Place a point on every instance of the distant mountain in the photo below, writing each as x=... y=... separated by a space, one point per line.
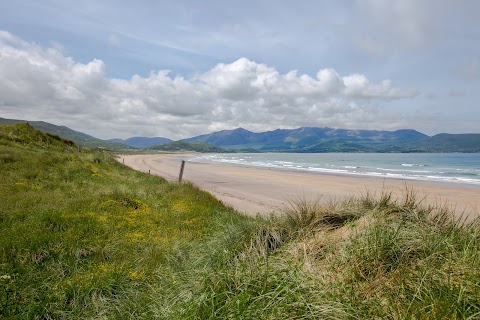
x=444 y=142
x=310 y=139
x=142 y=142
x=187 y=146
x=235 y=137
x=79 y=138
x=305 y=139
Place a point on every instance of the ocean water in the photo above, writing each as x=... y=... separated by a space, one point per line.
x=458 y=168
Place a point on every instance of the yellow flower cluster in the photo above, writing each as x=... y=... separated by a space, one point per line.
x=181 y=206
x=23 y=184
x=94 y=170
x=135 y=275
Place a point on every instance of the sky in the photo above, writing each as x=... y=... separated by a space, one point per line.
x=176 y=69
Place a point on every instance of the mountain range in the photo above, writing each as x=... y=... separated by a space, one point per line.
x=305 y=139
x=311 y=139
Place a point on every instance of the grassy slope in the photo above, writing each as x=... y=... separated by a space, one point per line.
x=69 y=134
x=83 y=237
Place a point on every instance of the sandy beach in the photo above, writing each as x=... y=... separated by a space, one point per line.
x=258 y=190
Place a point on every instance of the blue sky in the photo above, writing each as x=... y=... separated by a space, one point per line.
x=182 y=68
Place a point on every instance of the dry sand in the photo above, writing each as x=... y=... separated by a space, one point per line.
x=258 y=190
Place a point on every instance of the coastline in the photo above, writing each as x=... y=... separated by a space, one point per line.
x=346 y=170
x=253 y=190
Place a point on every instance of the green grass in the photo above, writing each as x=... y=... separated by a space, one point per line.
x=83 y=237
x=364 y=258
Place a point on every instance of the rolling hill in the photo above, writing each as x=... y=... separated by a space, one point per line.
x=79 y=138
x=142 y=142
x=187 y=146
x=445 y=142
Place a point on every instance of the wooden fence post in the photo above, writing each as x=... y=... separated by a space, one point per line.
x=181 y=171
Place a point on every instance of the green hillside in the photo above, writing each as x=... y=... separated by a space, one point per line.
x=187 y=146
x=142 y=142
x=25 y=135
x=69 y=134
x=84 y=237
x=448 y=143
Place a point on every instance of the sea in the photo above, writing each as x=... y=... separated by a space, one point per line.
x=456 y=168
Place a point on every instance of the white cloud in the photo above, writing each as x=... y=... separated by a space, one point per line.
x=358 y=86
x=42 y=83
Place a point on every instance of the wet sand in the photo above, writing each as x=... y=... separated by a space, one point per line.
x=260 y=190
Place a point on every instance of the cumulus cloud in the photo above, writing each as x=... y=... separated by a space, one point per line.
x=358 y=86
x=42 y=83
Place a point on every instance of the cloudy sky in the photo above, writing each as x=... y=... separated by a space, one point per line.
x=181 y=68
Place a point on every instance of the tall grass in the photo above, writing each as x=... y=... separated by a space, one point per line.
x=82 y=236
x=363 y=258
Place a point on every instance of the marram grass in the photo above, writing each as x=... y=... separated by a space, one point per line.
x=83 y=237
x=364 y=258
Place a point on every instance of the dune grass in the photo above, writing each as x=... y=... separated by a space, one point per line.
x=84 y=237
x=362 y=258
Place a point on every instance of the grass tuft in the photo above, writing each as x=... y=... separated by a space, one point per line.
x=303 y=216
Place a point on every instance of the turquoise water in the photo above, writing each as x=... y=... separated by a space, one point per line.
x=460 y=168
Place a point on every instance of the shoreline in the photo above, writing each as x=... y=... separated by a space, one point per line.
x=264 y=190
x=344 y=174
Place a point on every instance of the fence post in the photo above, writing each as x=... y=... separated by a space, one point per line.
x=181 y=171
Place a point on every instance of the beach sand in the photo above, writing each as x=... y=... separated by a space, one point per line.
x=260 y=190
